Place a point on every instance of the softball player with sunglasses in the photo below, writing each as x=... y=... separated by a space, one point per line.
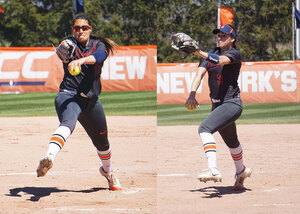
x=77 y=98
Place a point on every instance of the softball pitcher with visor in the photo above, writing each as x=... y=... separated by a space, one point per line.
x=223 y=65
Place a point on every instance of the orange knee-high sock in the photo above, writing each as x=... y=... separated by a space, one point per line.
x=237 y=157
x=105 y=157
x=57 y=141
x=210 y=148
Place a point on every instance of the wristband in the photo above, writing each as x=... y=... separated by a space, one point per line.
x=213 y=58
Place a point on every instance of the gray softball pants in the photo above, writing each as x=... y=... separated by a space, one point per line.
x=222 y=119
x=89 y=112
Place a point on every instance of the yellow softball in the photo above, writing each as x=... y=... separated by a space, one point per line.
x=190 y=107
x=74 y=70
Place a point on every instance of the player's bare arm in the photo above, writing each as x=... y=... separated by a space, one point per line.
x=85 y=60
x=191 y=102
x=198 y=78
x=96 y=57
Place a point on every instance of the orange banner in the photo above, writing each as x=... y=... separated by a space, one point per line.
x=1 y=11
x=260 y=82
x=226 y=16
x=131 y=68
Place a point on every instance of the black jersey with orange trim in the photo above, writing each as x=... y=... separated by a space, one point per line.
x=88 y=81
x=223 y=79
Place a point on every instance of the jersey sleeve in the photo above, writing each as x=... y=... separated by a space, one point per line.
x=234 y=55
x=100 y=46
x=203 y=63
x=101 y=53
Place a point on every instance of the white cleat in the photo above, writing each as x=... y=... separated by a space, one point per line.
x=45 y=164
x=112 y=180
x=211 y=174
x=240 y=178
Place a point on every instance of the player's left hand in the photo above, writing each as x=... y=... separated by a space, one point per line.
x=65 y=50
x=191 y=103
x=183 y=42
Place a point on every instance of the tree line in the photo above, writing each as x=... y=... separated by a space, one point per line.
x=264 y=27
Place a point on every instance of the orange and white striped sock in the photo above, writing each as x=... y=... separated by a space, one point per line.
x=210 y=148
x=105 y=157
x=57 y=141
x=237 y=157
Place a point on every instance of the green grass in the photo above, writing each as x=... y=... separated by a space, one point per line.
x=253 y=113
x=144 y=103
x=129 y=103
x=42 y=104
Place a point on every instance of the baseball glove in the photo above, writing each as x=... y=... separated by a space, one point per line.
x=65 y=50
x=183 y=42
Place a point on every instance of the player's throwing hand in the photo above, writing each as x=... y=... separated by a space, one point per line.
x=191 y=102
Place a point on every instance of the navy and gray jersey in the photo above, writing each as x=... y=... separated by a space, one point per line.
x=223 y=79
x=88 y=81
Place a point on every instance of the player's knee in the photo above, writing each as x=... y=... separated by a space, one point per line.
x=69 y=125
x=101 y=142
x=232 y=144
x=202 y=128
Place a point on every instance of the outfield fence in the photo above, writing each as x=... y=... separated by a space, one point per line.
x=130 y=68
x=134 y=68
x=260 y=82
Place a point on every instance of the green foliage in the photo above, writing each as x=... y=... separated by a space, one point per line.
x=264 y=26
x=128 y=22
x=42 y=104
x=35 y=23
x=196 y=18
x=253 y=113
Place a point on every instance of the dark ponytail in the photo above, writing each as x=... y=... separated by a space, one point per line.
x=109 y=44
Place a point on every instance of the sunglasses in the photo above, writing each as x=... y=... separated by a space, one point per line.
x=84 y=28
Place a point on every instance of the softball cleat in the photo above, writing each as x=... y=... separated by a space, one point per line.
x=211 y=174
x=45 y=164
x=240 y=178
x=112 y=180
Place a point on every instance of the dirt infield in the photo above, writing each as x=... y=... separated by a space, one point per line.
x=271 y=151
x=74 y=184
x=157 y=167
